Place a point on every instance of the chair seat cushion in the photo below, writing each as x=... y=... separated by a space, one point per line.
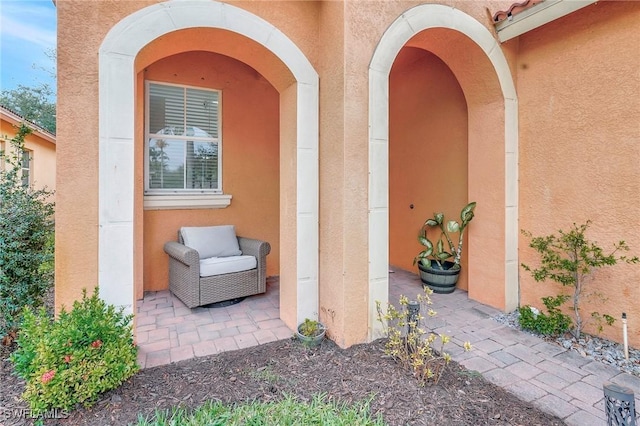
x=212 y=241
x=226 y=265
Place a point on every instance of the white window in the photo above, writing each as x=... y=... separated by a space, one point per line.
x=25 y=165
x=183 y=150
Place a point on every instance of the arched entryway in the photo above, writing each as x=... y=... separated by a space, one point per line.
x=476 y=60
x=120 y=208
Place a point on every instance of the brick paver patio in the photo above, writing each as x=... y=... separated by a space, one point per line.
x=167 y=331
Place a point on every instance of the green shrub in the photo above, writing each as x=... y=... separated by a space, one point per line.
x=571 y=259
x=414 y=349
x=26 y=239
x=76 y=357
x=551 y=324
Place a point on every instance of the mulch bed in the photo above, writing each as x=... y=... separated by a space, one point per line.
x=269 y=371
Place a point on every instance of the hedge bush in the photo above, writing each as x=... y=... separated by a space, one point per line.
x=76 y=357
x=26 y=239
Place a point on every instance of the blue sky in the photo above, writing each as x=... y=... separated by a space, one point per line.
x=27 y=32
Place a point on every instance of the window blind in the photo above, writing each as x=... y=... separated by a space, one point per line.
x=183 y=139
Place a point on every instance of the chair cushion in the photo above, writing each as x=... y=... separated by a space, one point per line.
x=226 y=265
x=212 y=241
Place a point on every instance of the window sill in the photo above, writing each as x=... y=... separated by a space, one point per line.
x=178 y=202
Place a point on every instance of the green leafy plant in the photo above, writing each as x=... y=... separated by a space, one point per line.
x=76 y=357
x=26 y=239
x=570 y=259
x=411 y=345
x=438 y=252
x=553 y=323
x=310 y=328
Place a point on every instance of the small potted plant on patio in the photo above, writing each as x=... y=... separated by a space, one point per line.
x=436 y=270
x=311 y=332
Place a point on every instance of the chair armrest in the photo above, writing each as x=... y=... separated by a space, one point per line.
x=184 y=273
x=182 y=253
x=257 y=248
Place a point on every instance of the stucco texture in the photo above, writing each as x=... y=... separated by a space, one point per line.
x=579 y=144
x=77 y=137
x=77 y=224
x=578 y=90
x=339 y=39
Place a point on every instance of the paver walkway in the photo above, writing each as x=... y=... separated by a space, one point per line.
x=557 y=381
x=554 y=379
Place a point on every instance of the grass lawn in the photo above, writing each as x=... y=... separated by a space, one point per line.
x=289 y=411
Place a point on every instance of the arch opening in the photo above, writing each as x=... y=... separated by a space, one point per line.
x=481 y=70
x=122 y=55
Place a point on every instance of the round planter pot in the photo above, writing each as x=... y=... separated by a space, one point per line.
x=440 y=280
x=311 y=341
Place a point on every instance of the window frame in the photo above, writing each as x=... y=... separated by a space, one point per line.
x=29 y=168
x=176 y=197
x=3 y=153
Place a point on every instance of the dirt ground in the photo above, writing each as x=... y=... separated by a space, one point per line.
x=267 y=372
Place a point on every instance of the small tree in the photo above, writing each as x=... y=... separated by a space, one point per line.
x=26 y=248
x=570 y=260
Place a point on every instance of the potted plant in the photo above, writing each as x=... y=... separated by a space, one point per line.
x=436 y=270
x=311 y=332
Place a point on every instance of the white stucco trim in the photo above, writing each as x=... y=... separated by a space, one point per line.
x=537 y=16
x=190 y=202
x=116 y=129
x=395 y=37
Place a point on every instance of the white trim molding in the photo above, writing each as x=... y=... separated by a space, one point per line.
x=187 y=201
x=536 y=16
x=410 y=23
x=117 y=82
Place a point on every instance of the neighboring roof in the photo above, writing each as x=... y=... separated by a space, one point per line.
x=15 y=118
x=514 y=9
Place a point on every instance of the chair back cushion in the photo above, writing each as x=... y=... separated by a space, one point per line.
x=212 y=241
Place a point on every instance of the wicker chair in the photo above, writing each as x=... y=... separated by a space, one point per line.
x=194 y=290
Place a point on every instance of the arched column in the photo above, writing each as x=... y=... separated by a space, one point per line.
x=399 y=33
x=299 y=121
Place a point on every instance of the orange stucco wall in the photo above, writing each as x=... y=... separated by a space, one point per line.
x=580 y=146
x=332 y=174
x=363 y=28
x=250 y=168
x=43 y=153
x=339 y=39
x=427 y=151
x=77 y=236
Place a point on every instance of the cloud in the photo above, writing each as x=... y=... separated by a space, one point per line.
x=27 y=32
x=28 y=21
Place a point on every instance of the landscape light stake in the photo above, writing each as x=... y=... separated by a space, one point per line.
x=413 y=310
x=624 y=336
